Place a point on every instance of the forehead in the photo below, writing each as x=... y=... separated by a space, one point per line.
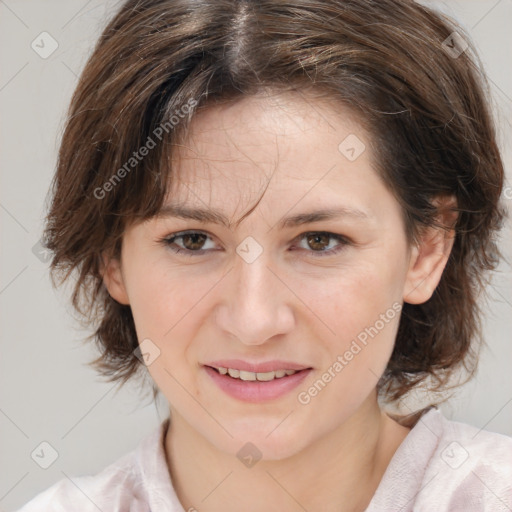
x=286 y=155
x=286 y=136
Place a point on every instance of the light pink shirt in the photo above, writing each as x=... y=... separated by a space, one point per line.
x=441 y=466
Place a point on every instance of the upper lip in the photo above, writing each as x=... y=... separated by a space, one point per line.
x=266 y=366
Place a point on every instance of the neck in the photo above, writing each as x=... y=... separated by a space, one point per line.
x=340 y=472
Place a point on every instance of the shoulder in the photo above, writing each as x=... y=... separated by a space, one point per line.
x=122 y=485
x=116 y=485
x=445 y=465
x=470 y=468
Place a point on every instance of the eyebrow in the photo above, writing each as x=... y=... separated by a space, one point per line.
x=217 y=217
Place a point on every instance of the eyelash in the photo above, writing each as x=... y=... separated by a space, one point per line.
x=168 y=241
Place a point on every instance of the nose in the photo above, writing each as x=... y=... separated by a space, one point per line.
x=256 y=303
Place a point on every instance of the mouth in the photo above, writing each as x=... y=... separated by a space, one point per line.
x=256 y=382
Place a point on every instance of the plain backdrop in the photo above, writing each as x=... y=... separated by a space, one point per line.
x=47 y=392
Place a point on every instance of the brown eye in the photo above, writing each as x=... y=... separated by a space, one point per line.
x=193 y=241
x=188 y=242
x=318 y=242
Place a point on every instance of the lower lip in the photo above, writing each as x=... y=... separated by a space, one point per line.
x=257 y=391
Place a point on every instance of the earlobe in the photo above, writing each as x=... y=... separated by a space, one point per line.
x=113 y=279
x=430 y=255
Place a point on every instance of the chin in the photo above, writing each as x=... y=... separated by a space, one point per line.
x=269 y=440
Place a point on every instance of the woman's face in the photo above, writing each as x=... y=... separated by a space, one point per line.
x=287 y=289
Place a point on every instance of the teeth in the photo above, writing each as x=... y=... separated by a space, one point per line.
x=247 y=375
x=268 y=375
x=252 y=376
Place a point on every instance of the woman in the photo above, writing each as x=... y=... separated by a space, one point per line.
x=284 y=213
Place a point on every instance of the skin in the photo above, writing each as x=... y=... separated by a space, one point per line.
x=289 y=304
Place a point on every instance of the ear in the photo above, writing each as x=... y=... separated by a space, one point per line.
x=430 y=253
x=113 y=278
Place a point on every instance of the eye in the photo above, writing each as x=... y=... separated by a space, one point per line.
x=319 y=242
x=192 y=243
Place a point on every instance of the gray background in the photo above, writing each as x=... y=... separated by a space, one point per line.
x=47 y=393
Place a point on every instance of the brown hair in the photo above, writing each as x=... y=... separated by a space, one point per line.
x=394 y=63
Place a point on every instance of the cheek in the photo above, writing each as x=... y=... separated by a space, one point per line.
x=359 y=296
x=160 y=293
x=160 y=314
x=362 y=309
x=151 y=303
x=167 y=308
